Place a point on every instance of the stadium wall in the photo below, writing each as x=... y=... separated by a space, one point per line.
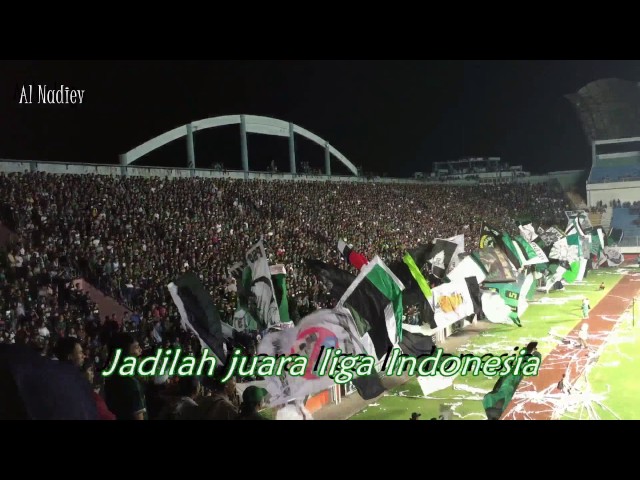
x=605 y=192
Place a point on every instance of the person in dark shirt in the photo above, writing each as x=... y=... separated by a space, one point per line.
x=125 y=395
x=252 y=401
x=155 y=395
x=69 y=349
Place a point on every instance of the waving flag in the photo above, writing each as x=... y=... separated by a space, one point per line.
x=323 y=328
x=495 y=265
x=532 y=252
x=514 y=296
x=199 y=314
x=451 y=302
x=267 y=309
x=550 y=236
x=563 y=252
x=441 y=256
x=375 y=300
x=614 y=256
x=528 y=232
x=455 y=259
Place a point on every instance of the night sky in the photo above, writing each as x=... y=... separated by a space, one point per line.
x=387 y=116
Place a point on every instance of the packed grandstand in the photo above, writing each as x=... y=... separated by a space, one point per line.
x=131 y=237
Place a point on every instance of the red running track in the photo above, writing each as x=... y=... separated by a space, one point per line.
x=567 y=358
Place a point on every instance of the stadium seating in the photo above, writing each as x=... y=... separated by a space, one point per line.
x=623 y=219
x=614 y=174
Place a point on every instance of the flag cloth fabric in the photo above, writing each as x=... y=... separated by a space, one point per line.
x=410 y=274
x=244 y=318
x=495 y=264
x=596 y=242
x=494 y=307
x=33 y=387
x=614 y=256
x=512 y=250
x=615 y=237
x=323 y=328
x=456 y=258
x=514 y=295
x=279 y=280
x=552 y=279
x=574 y=229
x=563 y=251
x=474 y=292
x=532 y=252
x=441 y=256
x=353 y=258
x=243 y=321
x=369 y=387
x=468 y=267
x=585 y=244
x=199 y=314
x=579 y=218
x=375 y=300
x=334 y=278
x=375 y=315
x=603 y=242
x=488 y=236
x=416 y=344
x=576 y=271
x=451 y=302
x=528 y=232
x=417 y=288
x=338 y=281
x=267 y=311
x=550 y=236
x=497 y=401
x=492 y=238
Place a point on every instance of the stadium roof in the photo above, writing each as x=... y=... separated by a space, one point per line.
x=608 y=109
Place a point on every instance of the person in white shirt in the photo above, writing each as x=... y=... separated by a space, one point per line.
x=585 y=308
x=583 y=335
x=43 y=331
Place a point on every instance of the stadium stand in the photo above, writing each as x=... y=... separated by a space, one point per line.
x=614 y=174
x=130 y=236
x=627 y=219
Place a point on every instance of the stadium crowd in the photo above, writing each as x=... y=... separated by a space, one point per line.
x=130 y=237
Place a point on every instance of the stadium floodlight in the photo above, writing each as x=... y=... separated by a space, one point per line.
x=608 y=109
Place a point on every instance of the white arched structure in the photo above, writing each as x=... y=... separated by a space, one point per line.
x=248 y=124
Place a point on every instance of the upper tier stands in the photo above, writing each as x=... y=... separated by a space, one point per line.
x=614 y=174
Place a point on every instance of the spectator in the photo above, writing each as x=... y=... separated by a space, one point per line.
x=103 y=410
x=186 y=407
x=222 y=404
x=252 y=402
x=69 y=349
x=125 y=395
